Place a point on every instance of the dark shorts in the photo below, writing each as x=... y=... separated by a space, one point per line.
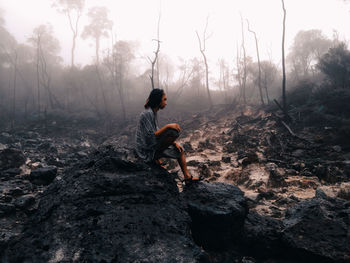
x=171 y=151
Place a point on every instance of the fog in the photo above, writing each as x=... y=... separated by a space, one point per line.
x=105 y=71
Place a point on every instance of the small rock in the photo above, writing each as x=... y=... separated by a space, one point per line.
x=24 y=201
x=43 y=176
x=188 y=147
x=298 y=153
x=214 y=163
x=193 y=163
x=337 y=148
x=226 y=159
x=11 y=158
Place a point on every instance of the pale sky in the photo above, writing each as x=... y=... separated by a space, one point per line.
x=137 y=20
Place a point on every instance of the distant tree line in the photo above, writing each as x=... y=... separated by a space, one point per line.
x=35 y=83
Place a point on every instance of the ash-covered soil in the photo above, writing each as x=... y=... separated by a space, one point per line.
x=275 y=190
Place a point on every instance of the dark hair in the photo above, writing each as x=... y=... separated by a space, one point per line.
x=154 y=98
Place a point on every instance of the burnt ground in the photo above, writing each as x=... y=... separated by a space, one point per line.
x=284 y=168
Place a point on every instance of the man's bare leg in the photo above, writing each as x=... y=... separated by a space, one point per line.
x=183 y=165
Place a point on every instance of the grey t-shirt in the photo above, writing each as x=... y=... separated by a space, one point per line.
x=145 y=138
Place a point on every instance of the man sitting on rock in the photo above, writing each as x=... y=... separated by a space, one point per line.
x=153 y=143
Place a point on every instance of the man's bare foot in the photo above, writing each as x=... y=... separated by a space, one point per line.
x=191 y=179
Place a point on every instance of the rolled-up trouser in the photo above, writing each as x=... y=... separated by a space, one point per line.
x=171 y=151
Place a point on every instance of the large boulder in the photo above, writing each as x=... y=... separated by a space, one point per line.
x=262 y=235
x=318 y=229
x=124 y=212
x=218 y=211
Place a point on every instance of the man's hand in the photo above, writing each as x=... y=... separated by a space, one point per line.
x=179 y=147
x=174 y=126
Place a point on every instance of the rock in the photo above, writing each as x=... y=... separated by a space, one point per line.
x=214 y=163
x=11 y=158
x=229 y=147
x=6 y=209
x=43 y=176
x=317 y=230
x=193 y=163
x=344 y=191
x=336 y=148
x=204 y=170
x=206 y=145
x=226 y=159
x=248 y=157
x=125 y=215
x=298 y=153
x=11 y=172
x=24 y=201
x=48 y=146
x=276 y=178
x=218 y=211
x=262 y=235
x=188 y=147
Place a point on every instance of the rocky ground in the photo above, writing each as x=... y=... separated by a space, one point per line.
x=276 y=191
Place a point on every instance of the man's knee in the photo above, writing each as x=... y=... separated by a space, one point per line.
x=172 y=133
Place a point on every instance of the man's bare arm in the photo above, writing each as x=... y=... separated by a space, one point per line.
x=174 y=126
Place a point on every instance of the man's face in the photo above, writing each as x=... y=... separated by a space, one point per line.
x=163 y=102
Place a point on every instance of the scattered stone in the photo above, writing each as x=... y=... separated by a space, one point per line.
x=298 y=153
x=214 y=163
x=193 y=163
x=337 y=148
x=226 y=159
x=24 y=201
x=43 y=176
x=188 y=147
x=276 y=178
x=11 y=158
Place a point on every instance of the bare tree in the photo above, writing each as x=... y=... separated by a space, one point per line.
x=47 y=47
x=155 y=59
x=14 y=90
x=201 y=43
x=259 y=66
x=98 y=27
x=118 y=63
x=244 y=73
x=73 y=10
x=284 y=99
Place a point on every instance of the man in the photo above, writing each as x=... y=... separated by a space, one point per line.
x=153 y=143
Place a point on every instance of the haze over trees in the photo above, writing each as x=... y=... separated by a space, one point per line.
x=34 y=82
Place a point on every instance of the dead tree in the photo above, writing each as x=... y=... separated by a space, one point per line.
x=37 y=72
x=14 y=91
x=284 y=99
x=259 y=66
x=239 y=72
x=244 y=76
x=202 y=50
x=154 y=61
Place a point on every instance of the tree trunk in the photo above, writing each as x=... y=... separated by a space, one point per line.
x=14 y=91
x=37 y=73
x=244 y=78
x=202 y=50
x=258 y=55
x=284 y=99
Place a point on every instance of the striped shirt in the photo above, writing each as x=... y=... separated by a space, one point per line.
x=146 y=141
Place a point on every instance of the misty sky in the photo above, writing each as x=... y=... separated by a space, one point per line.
x=137 y=20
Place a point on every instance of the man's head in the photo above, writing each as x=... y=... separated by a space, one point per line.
x=156 y=99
